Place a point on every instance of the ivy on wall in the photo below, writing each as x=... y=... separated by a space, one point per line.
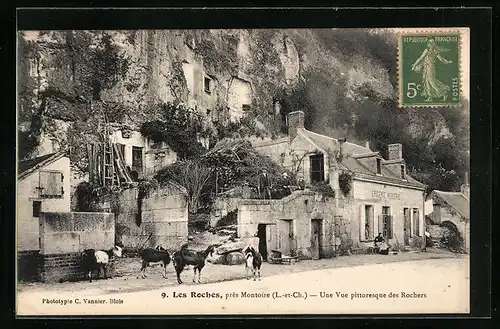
x=179 y=128
x=345 y=182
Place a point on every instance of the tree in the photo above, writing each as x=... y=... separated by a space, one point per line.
x=193 y=175
x=82 y=64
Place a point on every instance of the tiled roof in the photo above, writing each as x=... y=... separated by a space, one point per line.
x=388 y=176
x=456 y=200
x=26 y=166
x=268 y=142
x=356 y=166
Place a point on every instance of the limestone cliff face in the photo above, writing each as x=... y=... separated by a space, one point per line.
x=216 y=72
x=337 y=77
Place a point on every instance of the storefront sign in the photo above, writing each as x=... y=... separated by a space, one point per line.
x=385 y=195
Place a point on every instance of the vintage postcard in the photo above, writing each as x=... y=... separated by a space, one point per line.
x=243 y=171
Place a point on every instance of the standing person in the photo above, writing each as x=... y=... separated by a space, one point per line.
x=426 y=65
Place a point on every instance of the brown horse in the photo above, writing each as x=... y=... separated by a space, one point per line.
x=186 y=256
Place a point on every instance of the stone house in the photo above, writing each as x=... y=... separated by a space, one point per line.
x=143 y=156
x=381 y=198
x=43 y=186
x=302 y=224
x=451 y=210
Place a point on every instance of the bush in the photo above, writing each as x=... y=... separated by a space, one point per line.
x=324 y=188
x=417 y=242
x=453 y=242
x=345 y=246
x=345 y=183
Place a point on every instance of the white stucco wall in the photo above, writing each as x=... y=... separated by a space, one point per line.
x=239 y=93
x=152 y=159
x=27 y=192
x=379 y=195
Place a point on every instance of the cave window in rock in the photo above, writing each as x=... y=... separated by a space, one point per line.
x=207 y=85
x=96 y=90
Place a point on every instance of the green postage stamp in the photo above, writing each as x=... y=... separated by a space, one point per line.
x=429 y=69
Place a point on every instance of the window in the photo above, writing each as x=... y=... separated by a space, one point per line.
x=368 y=222
x=137 y=158
x=402 y=171
x=207 y=85
x=386 y=223
x=245 y=107
x=317 y=168
x=416 y=222
x=37 y=208
x=51 y=184
x=379 y=166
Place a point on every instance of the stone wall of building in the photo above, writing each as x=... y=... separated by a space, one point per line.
x=164 y=219
x=28 y=192
x=378 y=195
x=289 y=223
x=63 y=238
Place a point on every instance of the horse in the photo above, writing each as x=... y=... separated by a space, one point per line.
x=186 y=256
x=253 y=262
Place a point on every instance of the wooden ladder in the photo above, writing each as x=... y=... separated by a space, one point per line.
x=109 y=175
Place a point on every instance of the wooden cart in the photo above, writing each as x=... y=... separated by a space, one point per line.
x=276 y=257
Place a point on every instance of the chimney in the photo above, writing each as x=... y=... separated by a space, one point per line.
x=367 y=145
x=295 y=121
x=395 y=152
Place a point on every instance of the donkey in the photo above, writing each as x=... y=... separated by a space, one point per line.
x=253 y=262
x=186 y=256
x=97 y=260
x=157 y=255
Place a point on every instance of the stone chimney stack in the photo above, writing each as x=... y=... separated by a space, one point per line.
x=395 y=152
x=295 y=121
x=367 y=145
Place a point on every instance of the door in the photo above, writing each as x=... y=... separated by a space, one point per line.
x=285 y=237
x=261 y=233
x=407 y=226
x=315 y=238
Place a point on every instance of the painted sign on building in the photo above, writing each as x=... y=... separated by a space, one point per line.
x=384 y=195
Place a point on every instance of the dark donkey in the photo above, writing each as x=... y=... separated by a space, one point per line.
x=157 y=255
x=186 y=256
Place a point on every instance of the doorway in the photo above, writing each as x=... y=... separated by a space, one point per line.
x=285 y=237
x=316 y=238
x=261 y=233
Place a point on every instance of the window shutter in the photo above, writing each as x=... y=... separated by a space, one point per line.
x=362 y=236
x=389 y=227
x=51 y=183
x=44 y=182
x=381 y=224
